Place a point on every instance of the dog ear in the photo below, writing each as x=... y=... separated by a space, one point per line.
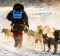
x=46 y=34
x=3 y=28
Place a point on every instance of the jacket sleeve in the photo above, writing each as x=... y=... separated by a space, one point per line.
x=25 y=18
x=9 y=16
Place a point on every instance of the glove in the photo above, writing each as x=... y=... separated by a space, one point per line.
x=11 y=24
x=27 y=26
x=26 y=29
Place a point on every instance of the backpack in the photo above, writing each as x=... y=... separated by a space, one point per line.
x=17 y=14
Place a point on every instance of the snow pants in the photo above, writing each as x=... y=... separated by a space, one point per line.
x=17 y=35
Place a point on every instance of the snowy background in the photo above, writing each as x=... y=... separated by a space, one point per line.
x=40 y=15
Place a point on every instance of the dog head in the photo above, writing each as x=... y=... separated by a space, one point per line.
x=45 y=35
x=31 y=32
x=2 y=30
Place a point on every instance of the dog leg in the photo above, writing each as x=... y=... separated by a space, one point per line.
x=49 y=47
x=44 y=47
x=33 y=42
x=55 y=48
x=36 y=42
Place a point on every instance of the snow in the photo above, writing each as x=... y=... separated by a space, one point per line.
x=47 y=15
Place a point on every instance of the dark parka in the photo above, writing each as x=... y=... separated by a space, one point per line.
x=24 y=19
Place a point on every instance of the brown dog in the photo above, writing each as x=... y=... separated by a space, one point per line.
x=37 y=36
x=51 y=41
x=7 y=32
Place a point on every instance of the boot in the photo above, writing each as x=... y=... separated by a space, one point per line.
x=16 y=42
x=20 y=44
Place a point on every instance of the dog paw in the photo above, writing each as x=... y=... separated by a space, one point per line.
x=54 y=53
x=43 y=50
x=48 y=51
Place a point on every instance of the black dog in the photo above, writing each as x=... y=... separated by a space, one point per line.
x=51 y=41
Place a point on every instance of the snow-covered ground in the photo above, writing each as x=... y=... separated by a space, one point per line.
x=47 y=15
